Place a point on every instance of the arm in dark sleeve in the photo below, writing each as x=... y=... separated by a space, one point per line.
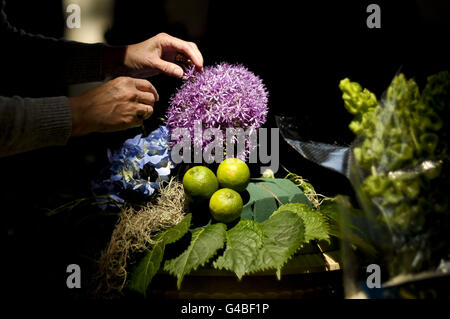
x=27 y=124
x=38 y=56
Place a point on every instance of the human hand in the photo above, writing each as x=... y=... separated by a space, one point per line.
x=116 y=105
x=158 y=54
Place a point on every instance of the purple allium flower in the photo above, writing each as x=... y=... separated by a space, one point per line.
x=222 y=96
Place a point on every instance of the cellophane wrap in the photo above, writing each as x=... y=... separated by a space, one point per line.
x=399 y=168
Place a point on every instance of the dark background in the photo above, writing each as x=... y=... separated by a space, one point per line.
x=300 y=51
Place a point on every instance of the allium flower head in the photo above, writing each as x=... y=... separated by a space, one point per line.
x=222 y=96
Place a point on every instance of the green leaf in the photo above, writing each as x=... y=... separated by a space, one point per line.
x=174 y=233
x=266 y=194
x=243 y=242
x=253 y=246
x=316 y=227
x=204 y=244
x=330 y=210
x=283 y=235
x=147 y=267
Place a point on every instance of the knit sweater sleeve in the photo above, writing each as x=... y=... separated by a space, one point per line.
x=59 y=59
x=32 y=123
x=27 y=124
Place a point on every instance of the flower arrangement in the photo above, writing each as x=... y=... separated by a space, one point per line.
x=138 y=167
x=223 y=96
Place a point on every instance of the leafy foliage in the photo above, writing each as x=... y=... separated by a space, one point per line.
x=173 y=234
x=146 y=269
x=261 y=242
x=283 y=235
x=243 y=241
x=315 y=224
x=151 y=262
x=204 y=244
x=253 y=246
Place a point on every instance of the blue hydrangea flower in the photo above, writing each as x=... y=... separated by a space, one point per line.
x=138 y=168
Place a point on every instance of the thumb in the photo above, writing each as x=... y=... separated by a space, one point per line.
x=168 y=68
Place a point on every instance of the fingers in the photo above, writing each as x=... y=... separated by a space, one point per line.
x=169 y=68
x=136 y=101
x=143 y=112
x=146 y=97
x=198 y=53
x=145 y=86
x=189 y=49
x=145 y=92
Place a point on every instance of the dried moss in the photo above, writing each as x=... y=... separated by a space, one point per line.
x=135 y=231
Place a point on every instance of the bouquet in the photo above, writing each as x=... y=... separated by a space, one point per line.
x=278 y=218
x=400 y=169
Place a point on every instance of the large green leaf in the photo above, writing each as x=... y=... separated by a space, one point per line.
x=204 y=244
x=283 y=235
x=315 y=224
x=266 y=194
x=253 y=246
x=147 y=267
x=174 y=233
x=243 y=242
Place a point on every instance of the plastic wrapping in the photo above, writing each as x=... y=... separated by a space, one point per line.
x=399 y=168
x=330 y=156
